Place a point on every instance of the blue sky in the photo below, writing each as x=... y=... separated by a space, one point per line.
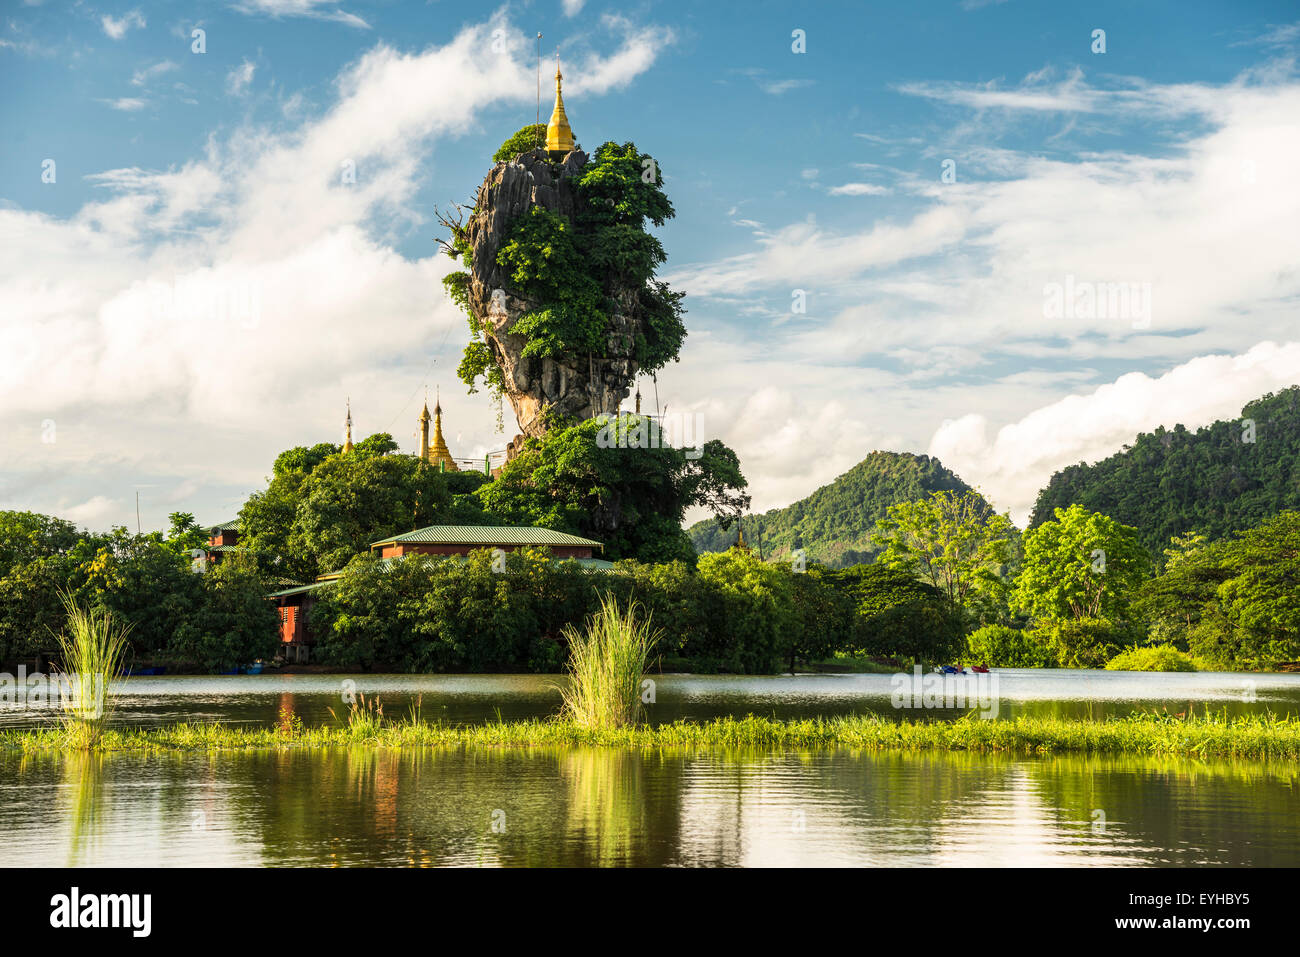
x=185 y=178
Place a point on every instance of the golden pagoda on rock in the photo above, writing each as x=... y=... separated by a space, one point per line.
x=559 y=137
x=437 y=453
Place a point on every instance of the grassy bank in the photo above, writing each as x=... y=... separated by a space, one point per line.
x=1207 y=735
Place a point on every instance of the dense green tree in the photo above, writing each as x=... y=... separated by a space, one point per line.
x=320 y=510
x=31 y=611
x=146 y=582
x=1082 y=565
x=233 y=624
x=185 y=535
x=1000 y=646
x=953 y=540
x=598 y=479
x=26 y=536
x=756 y=600
x=900 y=616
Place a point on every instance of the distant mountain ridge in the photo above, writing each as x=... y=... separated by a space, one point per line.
x=1222 y=478
x=835 y=523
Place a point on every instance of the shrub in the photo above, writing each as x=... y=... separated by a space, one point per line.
x=1086 y=642
x=1003 y=647
x=1152 y=658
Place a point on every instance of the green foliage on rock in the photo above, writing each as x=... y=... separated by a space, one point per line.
x=837 y=524
x=575 y=271
x=1224 y=478
x=530 y=137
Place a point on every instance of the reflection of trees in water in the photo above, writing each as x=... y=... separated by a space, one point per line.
x=1179 y=811
x=557 y=807
x=593 y=806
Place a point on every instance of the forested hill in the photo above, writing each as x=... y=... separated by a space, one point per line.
x=1217 y=480
x=835 y=523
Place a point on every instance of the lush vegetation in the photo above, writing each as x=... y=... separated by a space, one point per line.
x=1230 y=604
x=321 y=507
x=838 y=524
x=1221 y=479
x=632 y=499
x=145 y=582
x=1001 y=646
x=580 y=270
x=1252 y=736
x=731 y=613
x=1153 y=658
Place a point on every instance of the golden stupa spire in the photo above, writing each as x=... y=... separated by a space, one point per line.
x=559 y=137
x=347 y=424
x=435 y=452
x=740 y=537
x=424 y=428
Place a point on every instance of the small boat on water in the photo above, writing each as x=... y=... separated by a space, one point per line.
x=254 y=669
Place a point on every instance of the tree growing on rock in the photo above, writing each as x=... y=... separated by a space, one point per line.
x=559 y=282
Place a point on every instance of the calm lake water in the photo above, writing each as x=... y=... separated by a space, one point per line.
x=472 y=699
x=613 y=807
x=608 y=806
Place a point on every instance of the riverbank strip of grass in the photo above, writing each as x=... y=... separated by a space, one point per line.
x=1252 y=736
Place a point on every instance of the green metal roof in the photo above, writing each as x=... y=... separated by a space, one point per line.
x=298 y=591
x=593 y=564
x=221 y=548
x=233 y=525
x=485 y=535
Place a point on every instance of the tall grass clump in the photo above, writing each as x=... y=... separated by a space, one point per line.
x=607 y=664
x=92 y=649
x=363 y=720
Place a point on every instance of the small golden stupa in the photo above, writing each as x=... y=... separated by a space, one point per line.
x=437 y=453
x=559 y=137
x=347 y=423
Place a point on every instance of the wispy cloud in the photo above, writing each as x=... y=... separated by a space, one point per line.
x=127 y=104
x=859 y=189
x=313 y=9
x=116 y=27
x=142 y=76
x=777 y=87
x=240 y=78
